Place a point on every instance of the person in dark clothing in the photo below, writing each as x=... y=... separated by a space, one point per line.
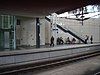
x=91 y=39
x=73 y=41
x=87 y=37
x=61 y=40
x=52 y=41
x=68 y=41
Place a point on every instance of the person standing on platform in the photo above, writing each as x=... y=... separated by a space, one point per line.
x=73 y=41
x=91 y=39
x=68 y=41
x=87 y=37
x=52 y=41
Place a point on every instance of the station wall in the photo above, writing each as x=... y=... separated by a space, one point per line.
x=26 y=32
x=89 y=27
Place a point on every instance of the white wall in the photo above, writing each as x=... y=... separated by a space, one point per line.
x=42 y=31
x=26 y=32
x=47 y=32
x=90 y=27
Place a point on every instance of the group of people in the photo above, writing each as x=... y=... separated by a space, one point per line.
x=87 y=38
x=60 y=41
x=68 y=41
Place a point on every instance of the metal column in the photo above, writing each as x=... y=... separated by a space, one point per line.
x=37 y=33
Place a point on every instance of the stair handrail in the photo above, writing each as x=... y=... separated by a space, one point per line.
x=71 y=29
x=75 y=32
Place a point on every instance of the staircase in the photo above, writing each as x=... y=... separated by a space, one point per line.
x=68 y=30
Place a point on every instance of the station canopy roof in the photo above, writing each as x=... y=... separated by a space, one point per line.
x=41 y=7
x=90 y=11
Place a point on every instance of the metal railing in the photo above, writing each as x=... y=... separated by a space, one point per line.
x=75 y=32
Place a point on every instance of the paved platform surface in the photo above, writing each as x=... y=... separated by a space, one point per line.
x=57 y=47
x=84 y=67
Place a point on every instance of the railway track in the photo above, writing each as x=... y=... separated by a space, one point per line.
x=12 y=70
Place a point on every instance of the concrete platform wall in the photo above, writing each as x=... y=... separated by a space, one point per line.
x=12 y=58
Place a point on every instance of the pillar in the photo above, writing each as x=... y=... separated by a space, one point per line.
x=37 y=33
